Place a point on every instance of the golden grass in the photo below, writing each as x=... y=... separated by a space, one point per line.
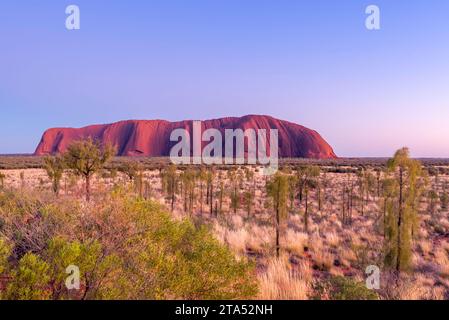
x=295 y=242
x=280 y=282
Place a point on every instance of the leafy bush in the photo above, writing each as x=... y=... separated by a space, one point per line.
x=29 y=279
x=343 y=288
x=5 y=251
x=125 y=248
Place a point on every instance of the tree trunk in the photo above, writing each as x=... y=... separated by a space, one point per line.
x=192 y=197
x=319 y=198
x=201 y=198
x=235 y=199
x=56 y=187
x=344 y=202
x=378 y=185
x=185 y=198
x=221 y=199
x=277 y=234
x=140 y=179
x=362 y=203
x=292 y=201
x=211 y=200
x=87 y=188
x=278 y=223
x=350 y=204
x=401 y=189
x=385 y=214
x=306 y=212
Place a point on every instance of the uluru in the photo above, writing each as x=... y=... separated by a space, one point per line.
x=152 y=137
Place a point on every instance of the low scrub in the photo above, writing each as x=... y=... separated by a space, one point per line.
x=124 y=247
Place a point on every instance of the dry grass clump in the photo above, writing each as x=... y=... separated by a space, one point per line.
x=425 y=247
x=250 y=237
x=332 y=239
x=413 y=287
x=260 y=239
x=443 y=222
x=295 y=242
x=281 y=282
x=442 y=260
x=322 y=258
x=237 y=239
x=347 y=256
x=237 y=221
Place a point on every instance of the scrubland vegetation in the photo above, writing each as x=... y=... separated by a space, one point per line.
x=226 y=232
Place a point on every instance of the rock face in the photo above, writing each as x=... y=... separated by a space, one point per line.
x=152 y=137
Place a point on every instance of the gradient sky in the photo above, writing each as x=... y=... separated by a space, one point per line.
x=308 y=61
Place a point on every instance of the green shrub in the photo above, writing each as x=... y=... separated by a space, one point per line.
x=180 y=260
x=5 y=252
x=29 y=280
x=124 y=247
x=343 y=288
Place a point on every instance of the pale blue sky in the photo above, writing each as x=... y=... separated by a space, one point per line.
x=308 y=61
